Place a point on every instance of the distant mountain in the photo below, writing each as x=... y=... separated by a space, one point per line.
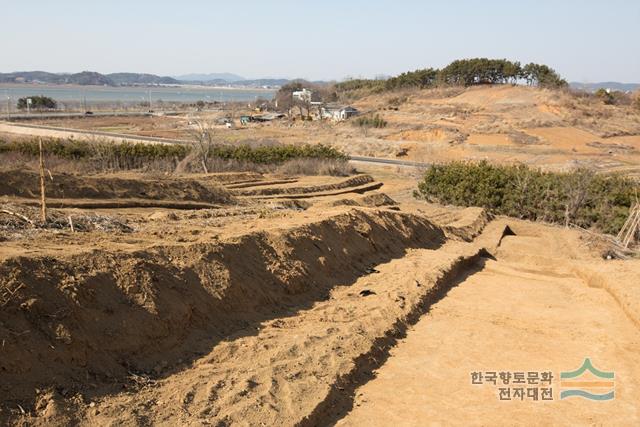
x=31 y=76
x=85 y=78
x=89 y=78
x=263 y=82
x=135 y=79
x=214 y=82
x=131 y=79
x=592 y=87
x=223 y=77
x=209 y=81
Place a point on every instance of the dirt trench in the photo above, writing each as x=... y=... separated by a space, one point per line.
x=537 y=306
x=92 y=325
x=314 y=324
x=293 y=369
x=25 y=184
x=356 y=181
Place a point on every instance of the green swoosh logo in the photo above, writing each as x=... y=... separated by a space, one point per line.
x=586 y=395
x=586 y=365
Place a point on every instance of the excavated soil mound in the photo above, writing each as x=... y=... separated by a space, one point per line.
x=81 y=323
x=347 y=183
x=23 y=183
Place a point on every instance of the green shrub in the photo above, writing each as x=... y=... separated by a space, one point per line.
x=37 y=103
x=274 y=154
x=126 y=155
x=580 y=197
x=605 y=96
x=371 y=122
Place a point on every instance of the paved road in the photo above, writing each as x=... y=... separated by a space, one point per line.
x=58 y=131
x=38 y=116
x=389 y=161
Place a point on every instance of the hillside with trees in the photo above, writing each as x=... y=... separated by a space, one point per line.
x=463 y=72
x=132 y=79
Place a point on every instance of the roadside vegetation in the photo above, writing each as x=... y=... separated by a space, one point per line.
x=464 y=72
x=105 y=156
x=580 y=197
x=37 y=103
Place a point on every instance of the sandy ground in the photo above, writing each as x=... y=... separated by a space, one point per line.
x=517 y=314
x=250 y=299
x=298 y=311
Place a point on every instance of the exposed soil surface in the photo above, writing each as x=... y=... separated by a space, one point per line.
x=519 y=313
x=251 y=299
x=292 y=310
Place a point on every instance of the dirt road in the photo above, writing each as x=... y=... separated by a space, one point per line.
x=525 y=311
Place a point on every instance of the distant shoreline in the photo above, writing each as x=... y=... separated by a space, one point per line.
x=128 y=94
x=167 y=86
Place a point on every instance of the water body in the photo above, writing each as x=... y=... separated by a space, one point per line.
x=104 y=94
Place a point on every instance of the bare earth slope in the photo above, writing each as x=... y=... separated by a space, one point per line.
x=505 y=124
x=285 y=327
x=296 y=301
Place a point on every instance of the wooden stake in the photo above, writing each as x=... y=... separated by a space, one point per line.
x=631 y=226
x=17 y=215
x=43 y=201
x=71 y=224
x=633 y=229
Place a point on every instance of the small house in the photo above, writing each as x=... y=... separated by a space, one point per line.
x=338 y=113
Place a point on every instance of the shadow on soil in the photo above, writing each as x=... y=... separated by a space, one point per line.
x=89 y=324
x=339 y=402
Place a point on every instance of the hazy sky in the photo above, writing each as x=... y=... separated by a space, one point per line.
x=584 y=40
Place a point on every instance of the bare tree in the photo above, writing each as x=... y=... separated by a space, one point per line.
x=203 y=134
x=302 y=106
x=577 y=193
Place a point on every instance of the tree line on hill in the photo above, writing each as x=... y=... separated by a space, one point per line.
x=464 y=72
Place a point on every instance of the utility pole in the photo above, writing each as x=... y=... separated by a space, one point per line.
x=149 y=100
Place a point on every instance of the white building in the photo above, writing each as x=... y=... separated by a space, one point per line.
x=302 y=95
x=338 y=113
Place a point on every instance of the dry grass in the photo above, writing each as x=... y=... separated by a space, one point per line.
x=192 y=164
